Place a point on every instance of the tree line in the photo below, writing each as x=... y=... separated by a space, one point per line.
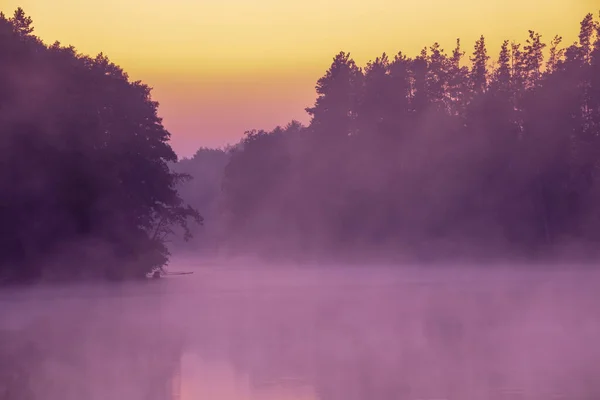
x=435 y=156
x=85 y=185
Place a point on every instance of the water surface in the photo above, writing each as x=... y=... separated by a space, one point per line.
x=318 y=333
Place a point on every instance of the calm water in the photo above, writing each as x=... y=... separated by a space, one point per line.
x=305 y=334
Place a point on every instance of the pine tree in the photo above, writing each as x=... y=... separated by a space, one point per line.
x=334 y=112
x=399 y=94
x=400 y=80
x=373 y=102
x=586 y=33
x=22 y=23
x=436 y=76
x=479 y=67
x=457 y=82
x=533 y=58
x=556 y=55
x=502 y=74
x=419 y=96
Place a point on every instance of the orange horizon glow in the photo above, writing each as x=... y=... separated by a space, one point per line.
x=221 y=67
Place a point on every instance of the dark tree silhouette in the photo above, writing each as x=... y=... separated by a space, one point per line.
x=427 y=157
x=437 y=155
x=85 y=188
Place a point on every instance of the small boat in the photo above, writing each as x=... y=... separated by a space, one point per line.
x=159 y=273
x=179 y=273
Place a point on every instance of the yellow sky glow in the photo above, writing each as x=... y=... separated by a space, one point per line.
x=220 y=67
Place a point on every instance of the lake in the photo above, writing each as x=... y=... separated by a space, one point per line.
x=242 y=331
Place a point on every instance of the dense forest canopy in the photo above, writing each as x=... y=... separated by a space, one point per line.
x=434 y=156
x=85 y=186
x=437 y=156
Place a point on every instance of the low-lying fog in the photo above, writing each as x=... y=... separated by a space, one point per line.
x=236 y=332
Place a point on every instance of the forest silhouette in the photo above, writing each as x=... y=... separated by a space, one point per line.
x=434 y=157
x=85 y=189
x=430 y=158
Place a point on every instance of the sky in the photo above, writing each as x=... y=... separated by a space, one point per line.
x=221 y=67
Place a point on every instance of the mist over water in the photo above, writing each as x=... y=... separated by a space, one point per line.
x=241 y=331
x=423 y=159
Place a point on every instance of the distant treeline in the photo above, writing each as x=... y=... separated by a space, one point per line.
x=85 y=186
x=424 y=157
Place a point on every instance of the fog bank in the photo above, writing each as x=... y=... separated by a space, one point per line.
x=241 y=331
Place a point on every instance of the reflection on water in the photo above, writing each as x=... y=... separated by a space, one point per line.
x=306 y=335
x=219 y=380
